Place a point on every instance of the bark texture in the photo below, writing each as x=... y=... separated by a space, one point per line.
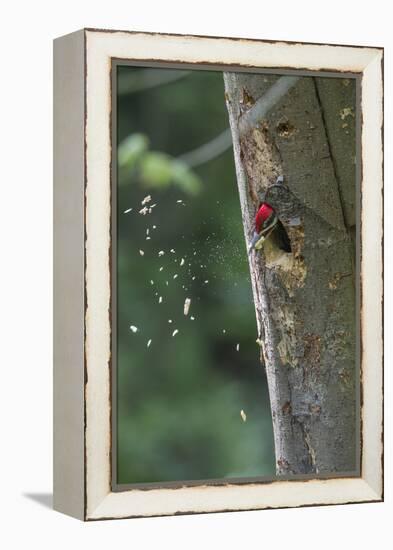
x=304 y=300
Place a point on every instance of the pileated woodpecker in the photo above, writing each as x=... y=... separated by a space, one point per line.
x=267 y=225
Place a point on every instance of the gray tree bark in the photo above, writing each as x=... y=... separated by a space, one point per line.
x=304 y=300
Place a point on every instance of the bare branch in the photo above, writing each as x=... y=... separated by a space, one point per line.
x=208 y=151
x=258 y=111
x=147 y=79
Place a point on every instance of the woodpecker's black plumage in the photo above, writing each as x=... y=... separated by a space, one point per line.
x=280 y=237
x=279 y=208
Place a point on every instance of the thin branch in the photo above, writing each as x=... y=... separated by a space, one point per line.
x=208 y=151
x=251 y=118
x=146 y=79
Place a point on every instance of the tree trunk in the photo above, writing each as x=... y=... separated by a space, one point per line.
x=305 y=299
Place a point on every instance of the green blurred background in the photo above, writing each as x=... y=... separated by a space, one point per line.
x=179 y=399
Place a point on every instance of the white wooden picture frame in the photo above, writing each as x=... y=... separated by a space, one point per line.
x=82 y=334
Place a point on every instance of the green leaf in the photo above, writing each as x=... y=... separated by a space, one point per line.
x=156 y=169
x=131 y=150
x=185 y=178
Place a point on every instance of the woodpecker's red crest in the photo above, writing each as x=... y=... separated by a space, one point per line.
x=264 y=213
x=268 y=225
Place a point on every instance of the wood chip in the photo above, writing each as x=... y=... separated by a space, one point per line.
x=146 y=200
x=187 y=304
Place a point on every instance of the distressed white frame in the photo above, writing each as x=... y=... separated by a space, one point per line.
x=100 y=47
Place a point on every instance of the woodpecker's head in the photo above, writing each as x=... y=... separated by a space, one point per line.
x=263 y=214
x=265 y=219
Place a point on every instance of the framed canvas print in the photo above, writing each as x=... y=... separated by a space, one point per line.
x=218 y=274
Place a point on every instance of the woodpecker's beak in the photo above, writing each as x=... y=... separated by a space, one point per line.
x=256 y=237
